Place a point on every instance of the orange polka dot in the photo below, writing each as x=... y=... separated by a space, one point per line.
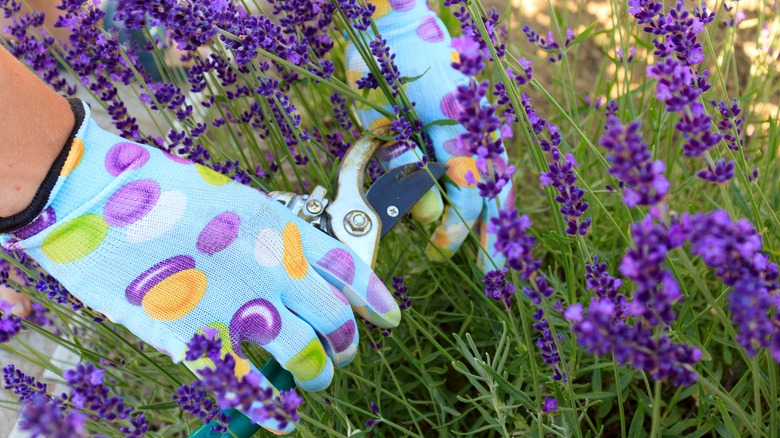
x=440 y=238
x=483 y=234
x=382 y=8
x=459 y=167
x=455 y=57
x=74 y=157
x=293 y=259
x=379 y=123
x=352 y=77
x=362 y=311
x=176 y=296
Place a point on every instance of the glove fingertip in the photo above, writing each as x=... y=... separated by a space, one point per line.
x=429 y=208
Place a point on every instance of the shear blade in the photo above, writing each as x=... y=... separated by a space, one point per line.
x=393 y=194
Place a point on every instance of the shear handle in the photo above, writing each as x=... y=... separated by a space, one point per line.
x=352 y=219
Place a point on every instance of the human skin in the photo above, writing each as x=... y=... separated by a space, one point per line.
x=35 y=123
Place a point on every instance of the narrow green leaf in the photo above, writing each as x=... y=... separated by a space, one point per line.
x=637 y=429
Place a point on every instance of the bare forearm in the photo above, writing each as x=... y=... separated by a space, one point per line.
x=35 y=122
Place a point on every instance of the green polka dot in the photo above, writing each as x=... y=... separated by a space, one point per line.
x=212 y=177
x=308 y=363
x=75 y=239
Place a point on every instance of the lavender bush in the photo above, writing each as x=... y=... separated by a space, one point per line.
x=644 y=245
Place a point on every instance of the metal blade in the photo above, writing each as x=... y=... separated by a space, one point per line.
x=393 y=194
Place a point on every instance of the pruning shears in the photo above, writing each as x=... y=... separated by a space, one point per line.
x=357 y=217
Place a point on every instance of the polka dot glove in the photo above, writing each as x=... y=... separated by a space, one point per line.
x=421 y=43
x=166 y=247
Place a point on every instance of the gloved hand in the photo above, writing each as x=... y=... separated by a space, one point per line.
x=421 y=43
x=166 y=247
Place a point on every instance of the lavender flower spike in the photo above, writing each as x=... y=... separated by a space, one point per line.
x=630 y=162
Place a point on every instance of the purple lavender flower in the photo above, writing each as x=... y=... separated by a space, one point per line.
x=231 y=391
x=657 y=289
x=735 y=251
x=340 y=111
x=497 y=287
x=548 y=43
x=695 y=125
x=89 y=392
x=721 y=172
x=45 y=417
x=399 y=291
x=26 y=387
x=204 y=345
x=480 y=139
x=471 y=61
x=561 y=176
x=733 y=20
x=630 y=159
x=359 y=13
x=513 y=241
x=138 y=427
x=547 y=345
x=676 y=84
x=386 y=61
x=470 y=30
x=550 y=405
x=629 y=59
x=10 y=324
x=602 y=330
x=39 y=316
x=375 y=410
x=308 y=18
x=605 y=286
x=523 y=78
x=367 y=82
x=679 y=84
x=731 y=121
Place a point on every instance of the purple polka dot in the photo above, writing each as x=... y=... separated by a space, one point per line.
x=176 y=158
x=378 y=296
x=257 y=321
x=456 y=147
x=338 y=294
x=145 y=282
x=44 y=220
x=429 y=30
x=125 y=156
x=450 y=106
x=219 y=233
x=339 y=263
x=395 y=150
x=341 y=338
x=402 y=5
x=132 y=202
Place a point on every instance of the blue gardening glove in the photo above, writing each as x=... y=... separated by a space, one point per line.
x=421 y=42
x=167 y=247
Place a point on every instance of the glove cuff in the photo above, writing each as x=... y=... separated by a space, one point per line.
x=44 y=193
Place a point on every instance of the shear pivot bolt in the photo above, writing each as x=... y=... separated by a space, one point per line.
x=392 y=211
x=357 y=223
x=314 y=206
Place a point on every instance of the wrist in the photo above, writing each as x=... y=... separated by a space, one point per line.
x=34 y=125
x=33 y=167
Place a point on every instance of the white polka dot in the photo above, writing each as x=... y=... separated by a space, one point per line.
x=169 y=209
x=457 y=232
x=269 y=247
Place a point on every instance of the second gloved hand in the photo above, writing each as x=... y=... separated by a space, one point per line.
x=423 y=48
